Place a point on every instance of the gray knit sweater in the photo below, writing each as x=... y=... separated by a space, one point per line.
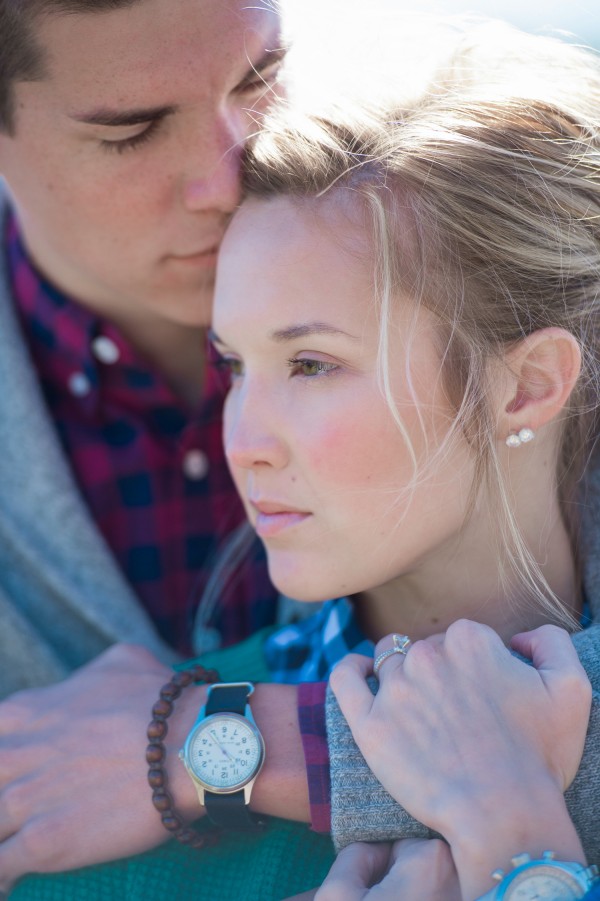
x=361 y=810
x=63 y=599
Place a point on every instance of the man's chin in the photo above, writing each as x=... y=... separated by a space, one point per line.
x=192 y=309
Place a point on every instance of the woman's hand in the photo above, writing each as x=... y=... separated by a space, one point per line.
x=473 y=742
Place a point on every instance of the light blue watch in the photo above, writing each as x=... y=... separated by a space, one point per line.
x=542 y=880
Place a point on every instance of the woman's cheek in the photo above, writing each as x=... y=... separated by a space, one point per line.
x=355 y=450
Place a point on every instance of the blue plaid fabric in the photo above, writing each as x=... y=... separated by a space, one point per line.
x=307 y=651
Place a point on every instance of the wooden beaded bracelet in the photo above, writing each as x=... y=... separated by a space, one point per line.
x=156 y=754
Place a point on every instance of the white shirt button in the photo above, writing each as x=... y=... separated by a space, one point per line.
x=195 y=465
x=105 y=350
x=79 y=384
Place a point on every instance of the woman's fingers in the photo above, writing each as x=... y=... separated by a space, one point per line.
x=348 y=682
x=549 y=648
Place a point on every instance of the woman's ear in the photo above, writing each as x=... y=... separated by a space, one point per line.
x=545 y=367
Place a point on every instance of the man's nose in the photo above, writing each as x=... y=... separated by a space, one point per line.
x=213 y=182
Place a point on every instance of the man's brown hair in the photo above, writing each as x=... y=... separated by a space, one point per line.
x=21 y=57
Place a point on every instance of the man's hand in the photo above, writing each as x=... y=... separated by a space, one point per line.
x=73 y=789
x=410 y=868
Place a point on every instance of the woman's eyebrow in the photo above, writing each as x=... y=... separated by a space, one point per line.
x=304 y=329
x=292 y=332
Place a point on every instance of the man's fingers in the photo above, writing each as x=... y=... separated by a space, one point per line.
x=426 y=863
x=12 y=863
x=356 y=868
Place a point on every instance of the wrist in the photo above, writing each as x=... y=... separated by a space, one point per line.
x=185 y=795
x=281 y=788
x=531 y=823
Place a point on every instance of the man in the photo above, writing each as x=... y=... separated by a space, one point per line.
x=122 y=125
x=120 y=143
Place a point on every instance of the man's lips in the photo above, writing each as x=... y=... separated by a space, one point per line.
x=272 y=517
x=206 y=257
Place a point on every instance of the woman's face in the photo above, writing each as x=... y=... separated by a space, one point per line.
x=323 y=469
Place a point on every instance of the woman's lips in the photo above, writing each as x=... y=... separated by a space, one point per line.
x=272 y=519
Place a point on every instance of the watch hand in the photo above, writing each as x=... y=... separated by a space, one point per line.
x=220 y=746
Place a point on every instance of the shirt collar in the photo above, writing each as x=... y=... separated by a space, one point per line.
x=307 y=651
x=61 y=334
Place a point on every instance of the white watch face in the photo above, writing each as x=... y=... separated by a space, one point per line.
x=225 y=751
x=543 y=883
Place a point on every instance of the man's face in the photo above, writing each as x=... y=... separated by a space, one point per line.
x=124 y=161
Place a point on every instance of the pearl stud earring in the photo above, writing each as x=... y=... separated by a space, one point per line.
x=516 y=439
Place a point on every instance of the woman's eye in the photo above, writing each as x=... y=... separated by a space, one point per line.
x=233 y=367
x=310 y=368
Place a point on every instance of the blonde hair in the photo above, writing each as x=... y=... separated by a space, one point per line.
x=483 y=191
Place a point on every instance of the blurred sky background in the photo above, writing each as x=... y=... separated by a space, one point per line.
x=578 y=17
x=360 y=47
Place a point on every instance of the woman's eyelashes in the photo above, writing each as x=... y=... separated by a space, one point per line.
x=298 y=367
x=230 y=366
x=305 y=366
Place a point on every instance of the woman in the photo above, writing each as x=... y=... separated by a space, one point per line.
x=472 y=211
x=406 y=306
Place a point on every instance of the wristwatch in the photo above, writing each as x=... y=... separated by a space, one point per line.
x=224 y=754
x=542 y=880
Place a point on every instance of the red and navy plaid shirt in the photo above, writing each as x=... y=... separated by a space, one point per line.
x=301 y=653
x=154 y=478
x=153 y=473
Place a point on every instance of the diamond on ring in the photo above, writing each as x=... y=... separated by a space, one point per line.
x=401 y=646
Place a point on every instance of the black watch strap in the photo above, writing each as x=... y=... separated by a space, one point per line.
x=227 y=699
x=229 y=811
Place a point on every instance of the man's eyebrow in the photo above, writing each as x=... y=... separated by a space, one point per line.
x=116 y=118
x=268 y=59
x=120 y=118
x=303 y=330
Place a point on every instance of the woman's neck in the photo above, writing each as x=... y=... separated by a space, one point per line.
x=463 y=580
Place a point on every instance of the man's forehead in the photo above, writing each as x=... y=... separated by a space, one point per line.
x=157 y=44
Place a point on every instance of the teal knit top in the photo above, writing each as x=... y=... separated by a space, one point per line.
x=285 y=859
